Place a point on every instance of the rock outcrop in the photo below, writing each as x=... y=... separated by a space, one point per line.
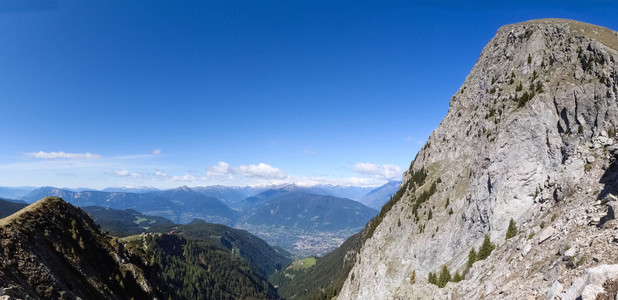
x=53 y=250
x=530 y=136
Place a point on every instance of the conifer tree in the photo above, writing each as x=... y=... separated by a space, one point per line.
x=445 y=276
x=432 y=278
x=471 y=257
x=457 y=277
x=485 y=249
x=512 y=230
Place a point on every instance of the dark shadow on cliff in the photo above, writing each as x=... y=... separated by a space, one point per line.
x=610 y=177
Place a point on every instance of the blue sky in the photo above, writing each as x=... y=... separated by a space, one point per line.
x=168 y=93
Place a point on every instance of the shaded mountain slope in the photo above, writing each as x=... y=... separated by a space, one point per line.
x=199 y=269
x=261 y=256
x=8 y=207
x=126 y=222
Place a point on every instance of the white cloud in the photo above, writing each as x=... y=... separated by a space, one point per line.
x=387 y=172
x=61 y=154
x=126 y=173
x=222 y=169
x=156 y=152
x=261 y=170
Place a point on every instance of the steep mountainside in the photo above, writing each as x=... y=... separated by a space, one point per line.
x=264 y=259
x=199 y=269
x=529 y=137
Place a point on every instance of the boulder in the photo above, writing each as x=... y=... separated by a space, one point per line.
x=546 y=233
x=588 y=286
x=554 y=291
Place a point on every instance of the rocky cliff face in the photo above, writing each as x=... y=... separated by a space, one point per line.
x=530 y=136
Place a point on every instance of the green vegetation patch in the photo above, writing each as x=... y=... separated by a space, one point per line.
x=301 y=264
x=131 y=238
x=512 y=230
x=194 y=269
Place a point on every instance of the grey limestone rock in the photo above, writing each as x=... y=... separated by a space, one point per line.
x=546 y=233
x=591 y=283
x=554 y=291
x=530 y=123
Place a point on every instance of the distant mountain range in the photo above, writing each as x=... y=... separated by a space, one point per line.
x=230 y=195
x=303 y=220
x=340 y=191
x=377 y=197
x=14 y=192
x=129 y=189
x=181 y=205
x=301 y=209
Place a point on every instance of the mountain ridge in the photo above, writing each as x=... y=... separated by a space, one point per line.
x=531 y=130
x=53 y=250
x=56 y=266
